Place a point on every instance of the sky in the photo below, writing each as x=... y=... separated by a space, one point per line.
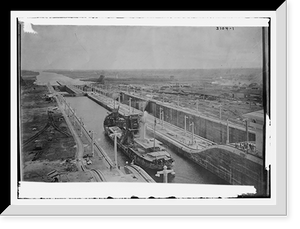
x=73 y=47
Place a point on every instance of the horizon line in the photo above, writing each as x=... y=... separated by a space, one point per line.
x=138 y=69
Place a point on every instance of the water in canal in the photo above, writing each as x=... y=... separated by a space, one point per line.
x=49 y=77
x=93 y=116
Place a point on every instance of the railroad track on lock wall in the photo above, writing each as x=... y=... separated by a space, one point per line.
x=98 y=175
x=141 y=172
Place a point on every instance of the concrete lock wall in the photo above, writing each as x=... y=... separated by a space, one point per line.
x=236 y=169
x=209 y=129
x=135 y=102
x=232 y=167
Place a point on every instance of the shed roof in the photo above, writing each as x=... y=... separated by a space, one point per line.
x=258 y=115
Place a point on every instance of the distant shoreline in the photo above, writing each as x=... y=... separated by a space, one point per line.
x=233 y=76
x=146 y=69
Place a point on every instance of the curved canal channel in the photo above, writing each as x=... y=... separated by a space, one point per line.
x=93 y=116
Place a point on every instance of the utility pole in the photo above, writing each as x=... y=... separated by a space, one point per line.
x=221 y=131
x=74 y=117
x=162 y=118
x=197 y=102
x=247 y=134
x=185 y=118
x=160 y=115
x=154 y=132
x=81 y=124
x=116 y=150
x=92 y=133
x=68 y=110
x=192 y=124
x=129 y=105
x=227 y=141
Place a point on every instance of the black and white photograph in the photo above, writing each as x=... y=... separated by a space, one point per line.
x=143 y=104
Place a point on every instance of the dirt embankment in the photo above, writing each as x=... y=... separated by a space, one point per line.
x=46 y=142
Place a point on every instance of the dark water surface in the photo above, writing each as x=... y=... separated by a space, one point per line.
x=93 y=116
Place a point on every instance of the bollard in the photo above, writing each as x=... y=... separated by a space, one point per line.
x=165 y=173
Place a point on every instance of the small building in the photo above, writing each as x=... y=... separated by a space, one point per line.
x=86 y=88
x=257 y=121
x=238 y=95
x=38 y=146
x=209 y=95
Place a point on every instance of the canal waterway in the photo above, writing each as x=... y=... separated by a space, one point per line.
x=93 y=116
x=49 y=77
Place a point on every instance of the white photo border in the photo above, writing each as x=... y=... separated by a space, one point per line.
x=274 y=206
